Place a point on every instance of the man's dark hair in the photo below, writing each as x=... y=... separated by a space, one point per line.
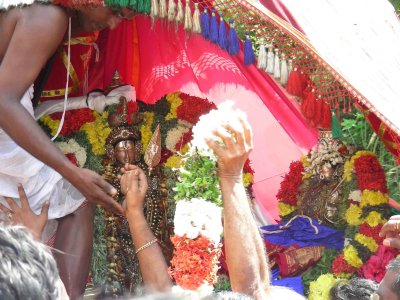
x=27 y=268
x=394 y=266
x=354 y=289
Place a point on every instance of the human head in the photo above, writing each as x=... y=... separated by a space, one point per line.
x=95 y=18
x=27 y=268
x=389 y=288
x=354 y=289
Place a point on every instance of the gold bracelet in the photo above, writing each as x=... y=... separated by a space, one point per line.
x=146 y=245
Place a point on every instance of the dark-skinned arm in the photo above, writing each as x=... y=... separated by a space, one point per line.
x=38 y=31
x=152 y=263
x=245 y=254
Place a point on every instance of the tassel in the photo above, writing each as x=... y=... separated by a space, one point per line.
x=317 y=119
x=290 y=66
x=213 y=28
x=234 y=46
x=171 y=10
x=154 y=9
x=179 y=13
x=249 y=57
x=262 y=56
x=277 y=65
x=284 y=70
x=196 y=19
x=296 y=83
x=222 y=39
x=205 y=24
x=308 y=105
x=270 y=60
x=336 y=130
x=162 y=9
x=188 y=17
x=326 y=118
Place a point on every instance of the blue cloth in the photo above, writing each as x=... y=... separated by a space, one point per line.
x=295 y=283
x=300 y=232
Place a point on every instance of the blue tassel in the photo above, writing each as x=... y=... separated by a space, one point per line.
x=213 y=28
x=205 y=24
x=222 y=39
x=234 y=47
x=249 y=56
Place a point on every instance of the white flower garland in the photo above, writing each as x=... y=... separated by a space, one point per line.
x=73 y=147
x=198 y=217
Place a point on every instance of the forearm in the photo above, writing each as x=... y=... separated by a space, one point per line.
x=23 y=129
x=246 y=264
x=151 y=260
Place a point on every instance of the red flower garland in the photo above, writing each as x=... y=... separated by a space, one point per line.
x=339 y=265
x=74 y=119
x=372 y=232
x=193 y=107
x=291 y=183
x=370 y=174
x=186 y=138
x=194 y=261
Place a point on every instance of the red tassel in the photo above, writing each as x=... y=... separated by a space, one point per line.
x=308 y=106
x=326 y=121
x=296 y=83
x=318 y=111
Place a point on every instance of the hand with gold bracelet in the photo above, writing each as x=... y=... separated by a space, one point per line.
x=151 y=260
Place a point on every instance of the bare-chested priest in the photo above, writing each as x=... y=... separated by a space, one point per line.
x=29 y=35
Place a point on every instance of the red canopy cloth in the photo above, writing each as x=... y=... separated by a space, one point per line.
x=171 y=60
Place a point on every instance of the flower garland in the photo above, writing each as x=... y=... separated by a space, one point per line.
x=83 y=142
x=367 y=210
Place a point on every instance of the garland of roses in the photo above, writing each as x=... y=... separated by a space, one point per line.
x=368 y=210
x=82 y=140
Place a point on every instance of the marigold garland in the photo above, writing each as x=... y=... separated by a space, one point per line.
x=374 y=219
x=175 y=102
x=285 y=209
x=350 y=255
x=319 y=289
x=97 y=132
x=366 y=241
x=146 y=129
x=353 y=214
x=373 y=198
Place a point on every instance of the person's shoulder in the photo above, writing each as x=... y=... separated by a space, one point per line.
x=46 y=15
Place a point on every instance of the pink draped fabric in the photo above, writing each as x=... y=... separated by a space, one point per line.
x=171 y=60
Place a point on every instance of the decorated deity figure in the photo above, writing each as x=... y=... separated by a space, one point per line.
x=123 y=146
x=321 y=194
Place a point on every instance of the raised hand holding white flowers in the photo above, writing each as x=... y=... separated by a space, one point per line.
x=237 y=145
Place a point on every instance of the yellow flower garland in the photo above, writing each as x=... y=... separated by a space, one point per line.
x=353 y=214
x=52 y=124
x=175 y=102
x=319 y=289
x=350 y=255
x=374 y=219
x=145 y=129
x=247 y=179
x=373 y=198
x=367 y=241
x=97 y=132
x=174 y=162
x=285 y=209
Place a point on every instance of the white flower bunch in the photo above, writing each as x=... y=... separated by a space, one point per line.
x=324 y=154
x=225 y=114
x=176 y=133
x=198 y=217
x=203 y=291
x=73 y=147
x=355 y=196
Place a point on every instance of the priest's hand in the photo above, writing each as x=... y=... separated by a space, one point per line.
x=134 y=186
